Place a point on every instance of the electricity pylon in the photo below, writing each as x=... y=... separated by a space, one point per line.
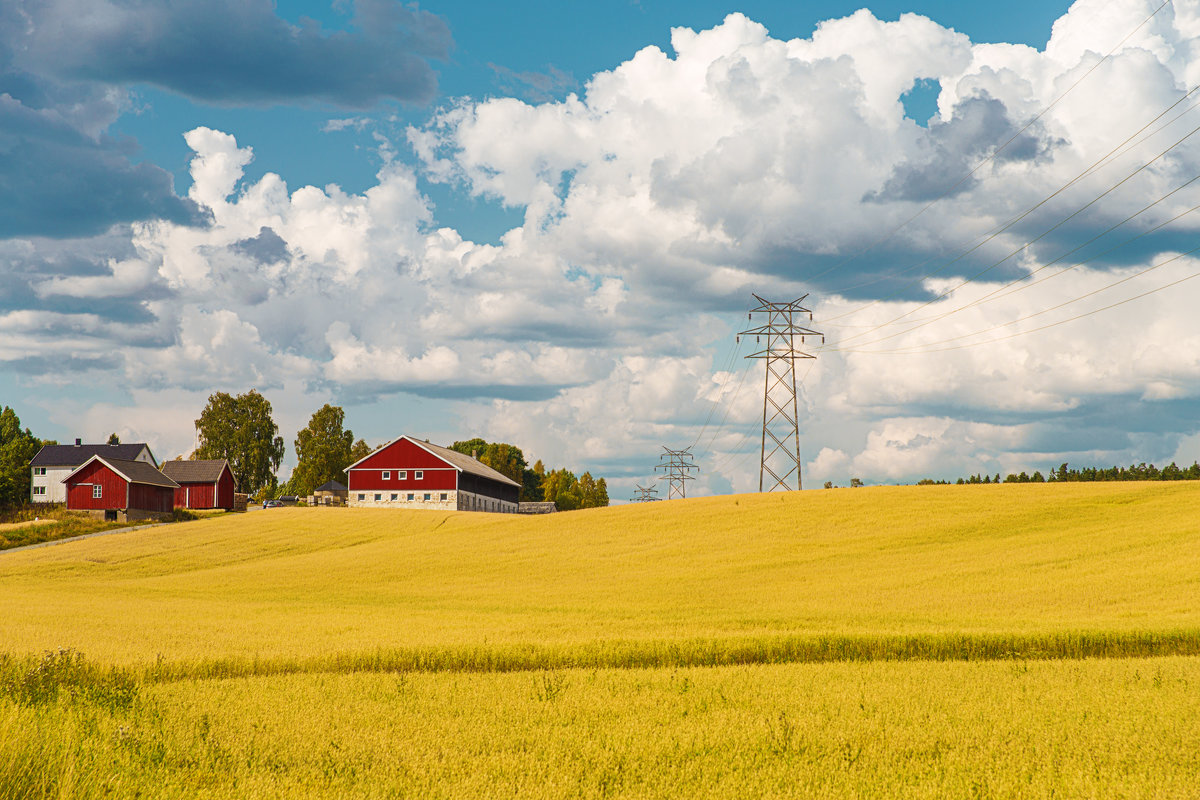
x=780 y=450
x=678 y=468
x=645 y=494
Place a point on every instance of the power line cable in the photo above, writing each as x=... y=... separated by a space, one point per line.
x=992 y=156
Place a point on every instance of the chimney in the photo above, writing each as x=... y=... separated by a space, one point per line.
x=475 y=455
x=78 y=442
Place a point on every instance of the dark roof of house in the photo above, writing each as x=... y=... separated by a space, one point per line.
x=72 y=455
x=199 y=471
x=330 y=486
x=132 y=471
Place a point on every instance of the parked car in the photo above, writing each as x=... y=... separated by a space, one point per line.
x=272 y=504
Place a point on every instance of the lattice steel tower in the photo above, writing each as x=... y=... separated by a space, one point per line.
x=780 y=451
x=678 y=468
x=645 y=494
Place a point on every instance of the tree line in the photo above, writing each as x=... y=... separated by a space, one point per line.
x=1065 y=474
x=240 y=430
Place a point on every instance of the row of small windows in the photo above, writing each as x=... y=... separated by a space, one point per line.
x=403 y=475
x=410 y=497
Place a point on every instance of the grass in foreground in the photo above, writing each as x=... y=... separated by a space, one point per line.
x=1091 y=728
x=37 y=524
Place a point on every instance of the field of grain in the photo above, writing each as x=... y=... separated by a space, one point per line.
x=993 y=641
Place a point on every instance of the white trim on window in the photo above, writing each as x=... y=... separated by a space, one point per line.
x=402 y=475
x=387 y=475
x=418 y=475
x=97 y=491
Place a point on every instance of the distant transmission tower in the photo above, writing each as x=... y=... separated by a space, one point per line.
x=678 y=467
x=780 y=451
x=645 y=494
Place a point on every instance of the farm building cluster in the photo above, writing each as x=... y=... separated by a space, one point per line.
x=123 y=482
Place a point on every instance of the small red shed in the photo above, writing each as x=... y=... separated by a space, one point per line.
x=410 y=473
x=120 y=490
x=205 y=483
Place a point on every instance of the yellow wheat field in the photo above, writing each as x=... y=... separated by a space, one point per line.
x=893 y=642
x=1031 y=560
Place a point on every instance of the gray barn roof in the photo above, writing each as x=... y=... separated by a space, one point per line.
x=72 y=455
x=133 y=471
x=199 y=471
x=330 y=486
x=465 y=463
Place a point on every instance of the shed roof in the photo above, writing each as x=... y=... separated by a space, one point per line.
x=198 y=471
x=330 y=486
x=132 y=471
x=72 y=455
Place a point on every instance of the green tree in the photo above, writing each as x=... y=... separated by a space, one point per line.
x=561 y=487
x=114 y=439
x=359 y=451
x=241 y=430
x=17 y=449
x=531 y=484
x=507 y=459
x=323 y=451
x=592 y=493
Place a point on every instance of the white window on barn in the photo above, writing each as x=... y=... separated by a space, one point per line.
x=394 y=496
x=418 y=475
x=362 y=497
x=378 y=497
x=39 y=490
x=410 y=496
x=428 y=496
x=97 y=491
x=387 y=475
x=39 y=470
x=443 y=496
x=402 y=475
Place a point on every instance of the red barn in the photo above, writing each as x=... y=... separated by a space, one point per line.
x=120 y=490
x=202 y=484
x=410 y=473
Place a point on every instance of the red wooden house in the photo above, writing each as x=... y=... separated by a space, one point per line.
x=410 y=473
x=120 y=490
x=202 y=484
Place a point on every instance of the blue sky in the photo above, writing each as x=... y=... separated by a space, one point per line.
x=540 y=222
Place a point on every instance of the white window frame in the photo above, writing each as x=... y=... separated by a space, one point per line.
x=378 y=497
x=39 y=490
x=39 y=470
x=418 y=475
x=411 y=497
x=402 y=475
x=395 y=497
x=361 y=497
x=428 y=497
x=443 y=497
x=97 y=491
x=387 y=475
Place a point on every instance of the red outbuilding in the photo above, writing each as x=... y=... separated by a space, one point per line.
x=410 y=473
x=207 y=483
x=120 y=490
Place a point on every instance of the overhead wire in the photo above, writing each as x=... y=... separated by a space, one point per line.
x=1034 y=240
x=1000 y=292
x=1124 y=147
x=992 y=156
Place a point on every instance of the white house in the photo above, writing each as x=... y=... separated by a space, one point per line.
x=54 y=462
